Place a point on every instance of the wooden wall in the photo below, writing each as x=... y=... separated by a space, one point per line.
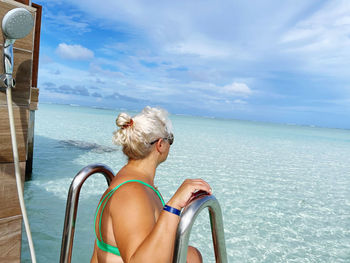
x=25 y=99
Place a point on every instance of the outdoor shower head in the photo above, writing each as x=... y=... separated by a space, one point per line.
x=17 y=23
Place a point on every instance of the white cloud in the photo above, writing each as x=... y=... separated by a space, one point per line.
x=237 y=89
x=239 y=102
x=301 y=34
x=97 y=70
x=69 y=22
x=321 y=41
x=45 y=59
x=200 y=46
x=69 y=75
x=74 y=52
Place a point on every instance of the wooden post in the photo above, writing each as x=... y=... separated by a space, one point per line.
x=30 y=145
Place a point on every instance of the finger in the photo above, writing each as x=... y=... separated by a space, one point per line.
x=200 y=186
x=199 y=180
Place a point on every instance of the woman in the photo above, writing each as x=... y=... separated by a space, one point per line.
x=136 y=225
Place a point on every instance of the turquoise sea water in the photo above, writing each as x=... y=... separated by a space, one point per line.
x=284 y=190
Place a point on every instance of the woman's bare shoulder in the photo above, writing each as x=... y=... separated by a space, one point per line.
x=131 y=194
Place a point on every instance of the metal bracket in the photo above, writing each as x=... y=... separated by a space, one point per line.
x=7 y=81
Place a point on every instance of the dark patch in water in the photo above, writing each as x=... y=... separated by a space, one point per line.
x=88 y=146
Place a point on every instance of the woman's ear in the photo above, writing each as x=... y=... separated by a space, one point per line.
x=160 y=146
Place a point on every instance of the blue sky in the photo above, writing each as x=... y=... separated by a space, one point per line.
x=275 y=61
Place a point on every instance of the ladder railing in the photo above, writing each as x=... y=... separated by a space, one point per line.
x=72 y=206
x=188 y=216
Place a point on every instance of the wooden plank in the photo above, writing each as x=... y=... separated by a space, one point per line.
x=33 y=106
x=25 y=2
x=21 y=117
x=15 y=4
x=34 y=99
x=10 y=239
x=9 y=204
x=22 y=72
x=26 y=42
x=36 y=44
x=34 y=95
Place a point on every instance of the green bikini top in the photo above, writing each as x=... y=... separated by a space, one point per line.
x=102 y=245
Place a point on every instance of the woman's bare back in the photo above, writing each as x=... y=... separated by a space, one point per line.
x=107 y=231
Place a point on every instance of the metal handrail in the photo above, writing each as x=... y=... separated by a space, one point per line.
x=188 y=216
x=72 y=206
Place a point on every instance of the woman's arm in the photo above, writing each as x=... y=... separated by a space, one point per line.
x=140 y=238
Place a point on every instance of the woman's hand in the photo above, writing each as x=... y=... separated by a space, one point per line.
x=186 y=190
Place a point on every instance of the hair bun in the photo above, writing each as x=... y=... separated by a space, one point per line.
x=136 y=133
x=124 y=120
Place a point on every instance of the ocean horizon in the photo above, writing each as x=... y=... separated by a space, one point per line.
x=135 y=111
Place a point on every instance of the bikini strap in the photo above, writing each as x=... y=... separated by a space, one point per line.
x=108 y=196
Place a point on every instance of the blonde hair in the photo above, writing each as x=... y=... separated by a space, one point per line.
x=136 y=133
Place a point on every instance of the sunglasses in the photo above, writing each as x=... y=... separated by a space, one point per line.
x=170 y=139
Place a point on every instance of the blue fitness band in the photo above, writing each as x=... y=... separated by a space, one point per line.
x=172 y=210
